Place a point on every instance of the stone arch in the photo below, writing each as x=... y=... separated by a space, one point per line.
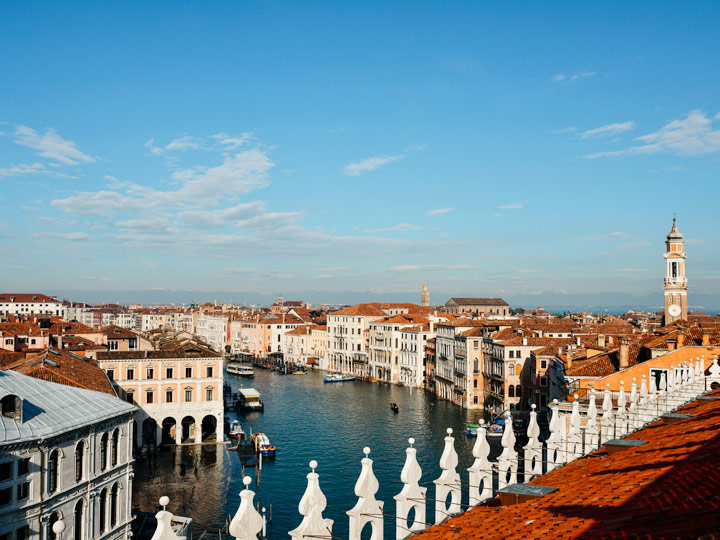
x=209 y=428
x=188 y=427
x=79 y=520
x=168 y=430
x=149 y=431
x=54 y=517
x=80 y=453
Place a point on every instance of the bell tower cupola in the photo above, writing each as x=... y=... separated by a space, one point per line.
x=675 y=279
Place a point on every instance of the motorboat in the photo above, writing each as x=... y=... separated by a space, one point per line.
x=249 y=399
x=338 y=377
x=241 y=370
x=262 y=445
x=235 y=430
x=497 y=428
x=472 y=430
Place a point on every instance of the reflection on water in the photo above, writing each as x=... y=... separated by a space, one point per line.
x=306 y=420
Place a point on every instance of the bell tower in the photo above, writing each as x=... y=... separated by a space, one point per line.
x=675 y=279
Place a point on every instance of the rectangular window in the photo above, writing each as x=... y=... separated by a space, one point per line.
x=148 y=396
x=169 y=373
x=543 y=364
x=209 y=371
x=188 y=395
x=130 y=373
x=188 y=373
x=209 y=394
x=111 y=374
x=5 y=496
x=130 y=397
x=23 y=466
x=6 y=471
x=168 y=396
x=150 y=373
x=543 y=380
x=23 y=491
x=23 y=533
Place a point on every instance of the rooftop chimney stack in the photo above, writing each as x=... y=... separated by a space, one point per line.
x=680 y=340
x=624 y=353
x=705 y=339
x=601 y=340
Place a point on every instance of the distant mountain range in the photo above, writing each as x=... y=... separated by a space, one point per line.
x=613 y=302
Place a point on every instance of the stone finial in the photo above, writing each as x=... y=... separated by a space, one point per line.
x=367 y=509
x=411 y=496
x=448 y=482
x=643 y=390
x=556 y=441
x=311 y=507
x=481 y=469
x=634 y=421
x=652 y=387
x=533 y=448
x=247 y=522
x=592 y=431
x=59 y=528
x=164 y=523
x=507 y=460
x=574 y=436
x=671 y=379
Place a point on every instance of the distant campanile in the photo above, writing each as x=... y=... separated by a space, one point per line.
x=675 y=279
x=425 y=297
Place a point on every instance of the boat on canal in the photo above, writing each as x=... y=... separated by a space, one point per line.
x=235 y=430
x=472 y=430
x=241 y=370
x=338 y=377
x=249 y=400
x=262 y=445
x=394 y=408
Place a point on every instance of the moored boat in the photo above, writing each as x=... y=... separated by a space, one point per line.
x=249 y=399
x=338 y=377
x=262 y=445
x=235 y=430
x=241 y=370
x=472 y=430
x=394 y=408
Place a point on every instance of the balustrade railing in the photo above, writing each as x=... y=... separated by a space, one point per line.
x=572 y=436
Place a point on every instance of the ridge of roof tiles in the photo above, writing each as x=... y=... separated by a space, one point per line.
x=666 y=488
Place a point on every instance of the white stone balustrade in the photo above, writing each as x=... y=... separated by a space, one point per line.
x=368 y=509
x=164 y=523
x=507 y=463
x=592 y=430
x=481 y=476
x=556 y=441
x=574 y=435
x=533 y=448
x=412 y=497
x=448 y=483
x=607 y=422
x=311 y=507
x=247 y=522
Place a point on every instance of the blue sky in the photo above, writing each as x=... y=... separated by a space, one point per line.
x=484 y=148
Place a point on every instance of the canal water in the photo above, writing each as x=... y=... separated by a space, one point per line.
x=307 y=419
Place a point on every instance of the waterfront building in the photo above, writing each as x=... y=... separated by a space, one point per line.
x=30 y=304
x=675 y=278
x=58 y=465
x=305 y=345
x=178 y=389
x=455 y=356
x=477 y=306
x=123 y=339
x=22 y=336
x=213 y=330
x=413 y=345
x=387 y=360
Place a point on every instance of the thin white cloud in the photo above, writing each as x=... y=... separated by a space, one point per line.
x=690 y=136
x=607 y=130
x=63 y=236
x=565 y=130
x=51 y=145
x=22 y=169
x=398 y=227
x=438 y=211
x=416 y=267
x=572 y=77
x=512 y=206
x=369 y=164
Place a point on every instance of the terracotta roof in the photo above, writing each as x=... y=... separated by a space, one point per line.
x=113 y=331
x=24 y=298
x=366 y=310
x=64 y=367
x=19 y=329
x=188 y=350
x=478 y=301
x=64 y=327
x=666 y=488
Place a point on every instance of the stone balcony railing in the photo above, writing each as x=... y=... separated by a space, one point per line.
x=572 y=436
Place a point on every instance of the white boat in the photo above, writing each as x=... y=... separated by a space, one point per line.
x=249 y=398
x=241 y=370
x=236 y=431
x=338 y=377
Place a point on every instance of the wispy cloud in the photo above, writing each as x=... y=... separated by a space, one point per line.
x=416 y=267
x=512 y=206
x=51 y=145
x=565 y=130
x=218 y=141
x=369 y=164
x=607 y=130
x=398 y=227
x=632 y=270
x=63 y=236
x=438 y=211
x=690 y=136
x=572 y=77
x=22 y=169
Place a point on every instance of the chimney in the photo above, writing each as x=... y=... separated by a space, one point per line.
x=624 y=353
x=524 y=341
x=680 y=340
x=577 y=340
x=672 y=344
x=601 y=340
x=705 y=339
x=568 y=362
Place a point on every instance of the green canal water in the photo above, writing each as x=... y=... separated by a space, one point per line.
x=307 y=419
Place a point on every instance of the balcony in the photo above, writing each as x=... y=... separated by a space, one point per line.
x=496 y=396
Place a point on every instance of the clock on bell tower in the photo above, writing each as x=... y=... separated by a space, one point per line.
x=675 y=279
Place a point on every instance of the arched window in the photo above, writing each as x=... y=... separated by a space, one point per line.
x=102 y=501
x=518 y=391
x=53 y=518
x=114 y=447
x=114 y=505
x=511 y=391
x=103 y=451
x=53 y=471
x=79 y=461
x=475 y=383
x=79 y=514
